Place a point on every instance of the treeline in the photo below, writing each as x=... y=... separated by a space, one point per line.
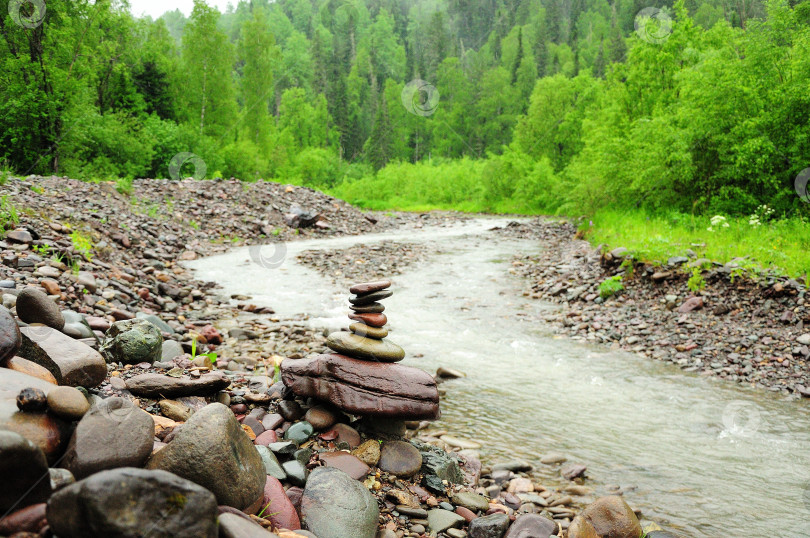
x=695 y=120
x=557 y=104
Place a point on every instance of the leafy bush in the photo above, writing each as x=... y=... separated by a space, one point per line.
x=610 y=286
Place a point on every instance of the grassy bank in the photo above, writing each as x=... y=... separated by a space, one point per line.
x=779 y=244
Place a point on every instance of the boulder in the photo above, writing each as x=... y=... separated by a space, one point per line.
x=611 y=517
x=363 y=387
x=159 y=385
x=132 y=341
x=335 y=505
x=70 y=361
x=25 y=473
x=212 y=450
x=113 y=433
x=133 y=502
x=10 y=338
x=33 y=306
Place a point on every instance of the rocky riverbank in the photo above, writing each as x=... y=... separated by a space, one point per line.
x=135 y=400
x=739 y=327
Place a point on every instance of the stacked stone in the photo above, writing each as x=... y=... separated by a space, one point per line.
x=362 y=377
x=367 y=337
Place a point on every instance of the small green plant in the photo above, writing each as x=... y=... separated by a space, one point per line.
x=8 y=213
x=82 y=243
x=4 y=176
x=277 y=373
x=610 y=286
x=628 y=266
x=75 y=267
x=42 y=250
x=696 y=281
x=124 y=186
x=152 y=212
x=194 y=224
x=265 y=508
x=37 y=189
x=211 y=356
x=276 y=231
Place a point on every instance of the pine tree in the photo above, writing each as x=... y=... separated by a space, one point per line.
x=379 y=144
x=599 y=62
x=618 y=48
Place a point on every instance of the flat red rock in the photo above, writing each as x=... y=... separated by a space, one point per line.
x=374 y=320
x=364 y=387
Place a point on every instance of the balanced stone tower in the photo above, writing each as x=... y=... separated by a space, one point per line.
x=362 y=378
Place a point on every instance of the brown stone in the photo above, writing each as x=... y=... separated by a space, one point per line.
x=45 y=430
x=155 y=385
x=692 y=303
x=611 y=517
x=580 y=528
x=71 y=362
x=28 y=519
x=18 y=364
x=351 y=465
x=364 y=387
x=369 y=287
x=347 y=434
x=368 y=452
x=51 y=286
x=375 y=320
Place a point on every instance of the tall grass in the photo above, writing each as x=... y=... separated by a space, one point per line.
x=782 y=245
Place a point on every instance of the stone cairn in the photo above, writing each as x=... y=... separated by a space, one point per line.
x=362 y=377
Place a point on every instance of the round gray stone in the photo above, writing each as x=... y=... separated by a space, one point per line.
x=334 y=505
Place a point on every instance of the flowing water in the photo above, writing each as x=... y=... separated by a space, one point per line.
x=703 y=457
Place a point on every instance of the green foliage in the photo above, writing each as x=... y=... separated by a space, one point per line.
x=124 y=186
x=8 y=213
x=610 y=286
x=82 y=243
x=696 y=282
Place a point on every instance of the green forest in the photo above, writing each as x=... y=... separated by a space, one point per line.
x=534 y=106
